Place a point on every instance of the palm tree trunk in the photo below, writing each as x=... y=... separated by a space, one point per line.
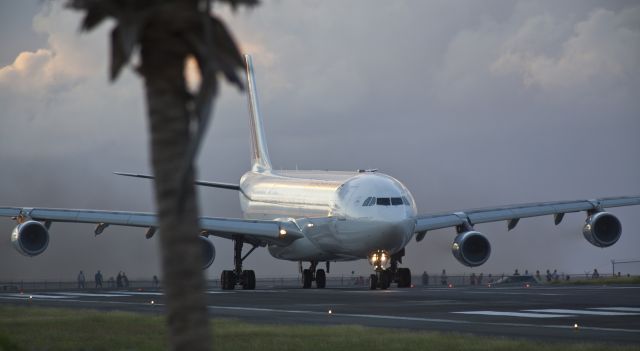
x=163 y=56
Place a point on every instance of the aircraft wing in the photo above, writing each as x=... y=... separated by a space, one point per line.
x=254 y=231
x=513 y=213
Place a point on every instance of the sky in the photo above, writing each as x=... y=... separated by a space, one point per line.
x=468 y=103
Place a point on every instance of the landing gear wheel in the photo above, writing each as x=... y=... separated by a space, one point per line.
x=404 y=278
x=248 y=280
x=385 y=279
x=307 y=278
x=227 y=280
x=321 y=279
x=373 y=282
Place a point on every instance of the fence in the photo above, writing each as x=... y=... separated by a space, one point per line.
x=333 y=281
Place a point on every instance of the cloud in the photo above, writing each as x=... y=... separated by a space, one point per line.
x=605 y=47
x=469 y=104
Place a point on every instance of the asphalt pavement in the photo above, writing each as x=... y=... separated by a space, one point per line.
x=549 y=313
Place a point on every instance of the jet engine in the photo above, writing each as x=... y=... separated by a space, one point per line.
x=471 y=248
x=602 y=229
x=30 y=238
x=208 y=252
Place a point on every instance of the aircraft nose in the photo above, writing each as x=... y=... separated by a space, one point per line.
x=393 y=235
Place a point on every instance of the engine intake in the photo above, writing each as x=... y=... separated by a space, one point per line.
x=471 y=248
x=602 y=229
x=30 y=238
x=208 y=252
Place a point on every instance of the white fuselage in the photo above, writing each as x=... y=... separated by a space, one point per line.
x=343 y=215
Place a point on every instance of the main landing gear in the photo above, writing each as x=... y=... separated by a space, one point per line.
x=383 y=278
x=246 y=278
x=311 y=274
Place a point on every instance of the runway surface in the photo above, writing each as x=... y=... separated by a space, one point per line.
x=604 y=314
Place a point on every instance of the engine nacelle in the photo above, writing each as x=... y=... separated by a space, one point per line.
x=471 y=248
x=30 y=238
x=602 y=229
x=208 y=252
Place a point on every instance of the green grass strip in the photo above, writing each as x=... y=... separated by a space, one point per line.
x=36 y=328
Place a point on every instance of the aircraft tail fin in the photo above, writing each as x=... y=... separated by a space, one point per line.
x=259 y=153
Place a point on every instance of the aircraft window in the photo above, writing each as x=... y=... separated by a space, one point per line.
x=395 y=201
x=405 y=201
x=384 y=201
x=367 y=201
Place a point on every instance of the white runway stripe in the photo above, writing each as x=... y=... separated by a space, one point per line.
x=583 y=312
x=515 y=314
x=620 y=309
x=150 y=293
x=37 y=296
x=91 y=294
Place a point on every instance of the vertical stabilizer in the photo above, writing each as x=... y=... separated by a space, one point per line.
x=259 y=153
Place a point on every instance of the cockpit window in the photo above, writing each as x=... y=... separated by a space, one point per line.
x=370 y=201
x=386 y=201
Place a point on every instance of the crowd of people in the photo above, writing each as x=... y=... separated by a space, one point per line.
x=121 y=281
x=479 y=279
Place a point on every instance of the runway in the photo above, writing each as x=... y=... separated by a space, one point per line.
x=545 y=313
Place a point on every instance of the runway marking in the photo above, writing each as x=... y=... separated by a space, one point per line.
x=622 y=309
x=35 y=296
x=584 y=312
x=339 y=315
x=259 y=291
x=513 y=293
x=93 y=294
x=376 y=291
x=416 y=319
x=125 y=293
x=515 y=314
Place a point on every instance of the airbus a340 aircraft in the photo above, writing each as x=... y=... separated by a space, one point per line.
x=324 y=216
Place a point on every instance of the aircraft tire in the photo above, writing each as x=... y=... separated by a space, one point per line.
x=373 y=282
x=385 y=280
x=227 y=280
x=404 y=278
x=248 y=280
x=321 y=279
x=307 y=278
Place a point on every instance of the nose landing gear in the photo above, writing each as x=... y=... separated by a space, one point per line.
x=383 y=278
x=311 y=274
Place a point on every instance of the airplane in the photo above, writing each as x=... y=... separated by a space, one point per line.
x=324 y=216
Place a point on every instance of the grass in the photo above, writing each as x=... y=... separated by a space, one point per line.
x=602 y=281
x=35 y=328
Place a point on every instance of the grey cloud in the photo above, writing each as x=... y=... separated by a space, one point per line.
x=411 y=88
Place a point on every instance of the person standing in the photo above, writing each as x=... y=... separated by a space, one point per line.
x=80 y=280
x=425 y=278
x=155 y=281
x=443 y=277
x=98 y=279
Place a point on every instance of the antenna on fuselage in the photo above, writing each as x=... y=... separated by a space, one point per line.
x=259 y=153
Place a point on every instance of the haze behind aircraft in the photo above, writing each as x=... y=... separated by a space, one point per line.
x=324 y=216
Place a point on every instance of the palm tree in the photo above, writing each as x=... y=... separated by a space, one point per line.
x=167 y=33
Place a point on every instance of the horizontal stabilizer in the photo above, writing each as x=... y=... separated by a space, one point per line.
x=197 y=182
